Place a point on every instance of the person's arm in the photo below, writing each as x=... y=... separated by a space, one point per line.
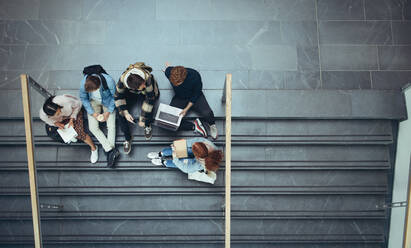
x=120 y=98
x=185 y=110
x=75 y=105
x=85 y=98
x=197 y=86
x=112 y=87
x=208 y=142
x=167 y=71
x=149 y=101
x=196 y=92
x=191 y=141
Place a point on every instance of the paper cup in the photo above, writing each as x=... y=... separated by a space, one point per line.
x=100 y=117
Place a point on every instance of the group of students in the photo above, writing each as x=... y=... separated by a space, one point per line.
x=101 y=97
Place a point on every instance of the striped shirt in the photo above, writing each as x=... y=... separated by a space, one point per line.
x=151 y=93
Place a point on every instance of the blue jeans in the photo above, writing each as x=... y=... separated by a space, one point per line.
x=168 y=152
x=167 y=155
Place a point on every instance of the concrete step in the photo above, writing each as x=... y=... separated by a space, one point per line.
x=244 y=132
x=285 y=155
x=172 y=182
x=292 y=205
x=203 y=231
x=280 y=104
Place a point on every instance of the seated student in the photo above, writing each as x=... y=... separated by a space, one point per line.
x=187 y=86
x=203 y=155
x=59 y=110
x=96 y=98
x=136 y=80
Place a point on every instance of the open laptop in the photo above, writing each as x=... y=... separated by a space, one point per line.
x=168 y=117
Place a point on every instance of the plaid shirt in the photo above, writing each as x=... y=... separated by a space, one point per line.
x=151 y=93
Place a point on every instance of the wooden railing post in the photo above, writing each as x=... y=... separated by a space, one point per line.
x=407 y=229
x=30 y=161
x=228 y=98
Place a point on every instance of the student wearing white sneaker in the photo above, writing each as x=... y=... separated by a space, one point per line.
x=188 y=86
x=97 y=95
x=66 y=109
x=202 y=155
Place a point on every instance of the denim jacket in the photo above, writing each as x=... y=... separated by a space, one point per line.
x=190 y=165
x=107 y=96
x=191 y=141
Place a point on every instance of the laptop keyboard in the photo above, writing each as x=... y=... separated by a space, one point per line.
x=168 y=117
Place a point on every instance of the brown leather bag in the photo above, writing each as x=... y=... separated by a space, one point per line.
x=180 y=147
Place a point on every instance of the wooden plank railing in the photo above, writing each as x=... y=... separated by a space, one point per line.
x=228 y=97
x=31 y=161
x=407 y=229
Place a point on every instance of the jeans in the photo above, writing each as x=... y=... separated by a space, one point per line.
x=201 y=106
x=168 y=152
x=167 y=155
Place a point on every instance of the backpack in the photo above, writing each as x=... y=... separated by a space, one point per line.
x=96 y=69
x=52 y=133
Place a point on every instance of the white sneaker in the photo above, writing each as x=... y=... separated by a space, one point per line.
x=94 y=156
x=157 y=161
x=152 y=155
x=213 y=131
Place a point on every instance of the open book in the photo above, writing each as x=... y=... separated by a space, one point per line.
x=201 y=176
x=67 y=134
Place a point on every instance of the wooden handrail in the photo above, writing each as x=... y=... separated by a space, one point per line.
x=228 y=98
x=30 y=161
x=407 y=229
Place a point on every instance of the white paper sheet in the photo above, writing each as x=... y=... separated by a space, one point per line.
x=67 y=134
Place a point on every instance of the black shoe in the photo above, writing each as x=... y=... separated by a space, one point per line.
x=127 y=146
x=112 y=157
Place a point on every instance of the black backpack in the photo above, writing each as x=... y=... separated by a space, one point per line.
x=96 y=69
x=52 y=133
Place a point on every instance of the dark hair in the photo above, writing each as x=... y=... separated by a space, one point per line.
x=92 y=83
x=177 y=75
x=134 y=81
x=49 y=107
x=212 y=158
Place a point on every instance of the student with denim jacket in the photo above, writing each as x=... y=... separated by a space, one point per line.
x=99 y=104
x=202 y=155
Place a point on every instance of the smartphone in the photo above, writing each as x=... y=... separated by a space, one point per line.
x=134 y=123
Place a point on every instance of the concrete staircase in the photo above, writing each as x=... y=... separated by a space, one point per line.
x=309 y=169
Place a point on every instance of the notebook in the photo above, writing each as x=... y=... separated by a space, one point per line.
x=168 y=117
x=67 y=134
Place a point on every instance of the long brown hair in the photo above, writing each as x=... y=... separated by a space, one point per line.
x=212 y=158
